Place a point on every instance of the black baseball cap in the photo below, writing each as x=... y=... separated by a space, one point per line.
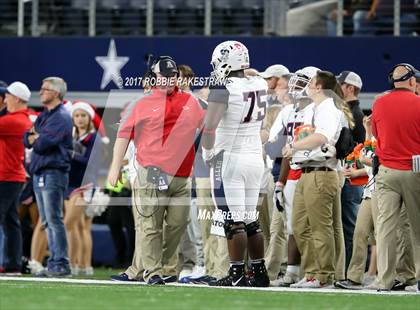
x=165 y=66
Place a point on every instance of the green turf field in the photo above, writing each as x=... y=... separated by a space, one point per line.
x=42 y=295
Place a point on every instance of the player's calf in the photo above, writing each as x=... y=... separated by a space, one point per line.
x=259 y=276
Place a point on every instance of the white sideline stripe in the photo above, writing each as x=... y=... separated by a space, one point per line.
x=265 y=289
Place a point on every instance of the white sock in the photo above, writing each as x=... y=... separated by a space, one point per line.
x=293 y=269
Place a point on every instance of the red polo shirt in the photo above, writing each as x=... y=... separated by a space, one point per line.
x=12 y=127
x=396 y=126
x=164 y=128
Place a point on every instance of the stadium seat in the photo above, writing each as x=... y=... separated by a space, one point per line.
x=251 y=17
x=224 y=16
x=133 y=17
x=194 y=16
x=75 y=19
x=108 y=16
x=166 y=18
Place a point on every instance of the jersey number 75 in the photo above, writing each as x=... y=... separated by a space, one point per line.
x=258 y=113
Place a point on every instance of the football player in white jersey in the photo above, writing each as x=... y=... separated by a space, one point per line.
x=291 y=117
x=232 y=144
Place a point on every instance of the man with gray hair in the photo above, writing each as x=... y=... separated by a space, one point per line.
x=52 y=144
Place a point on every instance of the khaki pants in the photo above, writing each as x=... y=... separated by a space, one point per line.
x=172 y=207
x=219 y=256
x=135 y=271
x=276 y=254
x=263 y=210
x=405 y=269
x=312 y=218
x=205 y=205
x=362 y=231
x=394 y=186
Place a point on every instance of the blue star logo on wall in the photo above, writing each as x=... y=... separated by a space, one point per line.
x=112 y=65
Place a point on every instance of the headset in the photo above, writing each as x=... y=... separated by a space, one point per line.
x=151 y=65
x=411 y=72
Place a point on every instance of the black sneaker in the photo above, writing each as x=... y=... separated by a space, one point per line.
x=236 y=277
x=348 y=285
x=203 y=280
x=259 y=277
x=398 y=286
x=123 y=277
x=170 y=279
x=156 y=280
x=230 y=281
x=59 y=272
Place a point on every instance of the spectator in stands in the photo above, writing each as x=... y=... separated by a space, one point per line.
x=384 y=17
x=347 y=20
x=277 y=77
x=80 y=181
x=363 y=17
x=351 y=196
x=12 y=173
x=3 y=90
x=164 y=168
x=398 y=179
x=52 y=144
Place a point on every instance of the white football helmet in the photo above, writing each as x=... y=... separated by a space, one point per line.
x=229 y=56
x=300 y=80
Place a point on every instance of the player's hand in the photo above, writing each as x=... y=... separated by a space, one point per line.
x=114 y=175
x=287 y=151
x=279 y=196
x=208 y=155
x=350 y=173
x=367 y=123
x=32 y=137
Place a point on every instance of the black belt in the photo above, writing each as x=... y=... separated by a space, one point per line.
x=310 y=169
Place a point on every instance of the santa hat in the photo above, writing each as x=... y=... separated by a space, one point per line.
x=84 y=106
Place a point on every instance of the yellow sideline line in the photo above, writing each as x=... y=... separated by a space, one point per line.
x=265 y=289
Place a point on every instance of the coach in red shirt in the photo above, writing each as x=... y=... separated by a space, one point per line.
x=163 y=126
x=396 y=126
x=12 y=173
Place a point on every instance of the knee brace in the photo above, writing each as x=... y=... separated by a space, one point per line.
x=230 y=230
x=253 y=228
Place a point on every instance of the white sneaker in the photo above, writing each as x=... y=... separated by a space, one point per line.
x=314 y=283
x=374 y=286
x=299 y=284
x=88 y=271
x=75 y=270
x=198 y=272
x=411 y=288
x=367 y=279
x=35 y=266
x=185 y=273
x=288 y=279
